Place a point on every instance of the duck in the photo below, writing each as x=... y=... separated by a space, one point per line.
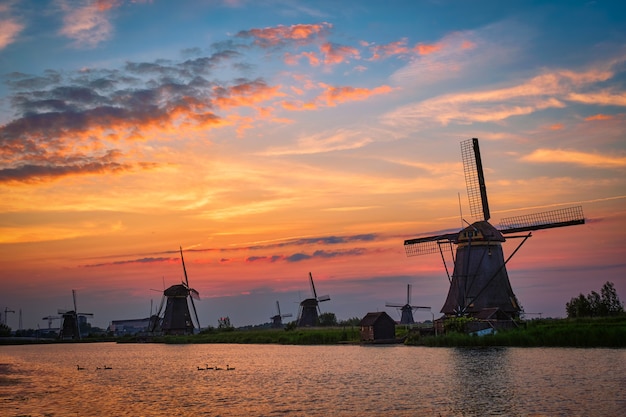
x=98 y=368
x=209 y=367
x=228 y=368
x=201 y=369
x=218 y=368
x=78 y=367
x=107 y=367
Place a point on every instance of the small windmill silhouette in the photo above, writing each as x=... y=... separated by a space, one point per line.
x=407 y=309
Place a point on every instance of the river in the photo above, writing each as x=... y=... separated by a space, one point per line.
x=276 y=380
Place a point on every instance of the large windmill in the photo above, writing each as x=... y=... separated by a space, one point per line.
x=177 y=318
x=70 y=329
x=480 y=286
x=309 y=307
x=277 y=319
x=407 y=309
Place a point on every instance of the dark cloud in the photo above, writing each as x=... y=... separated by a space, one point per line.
x=20 y=81
x=133 y=261
x=57 y=113
x=297 y=257
x=62 y=167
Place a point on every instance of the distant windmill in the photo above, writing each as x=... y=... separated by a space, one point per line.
x=309 y=307
x=480 y=285
x=277 y=319
x=407 y=309
x=177 y=318
x=70 y=329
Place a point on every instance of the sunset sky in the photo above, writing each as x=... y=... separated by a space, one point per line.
x=271 y=139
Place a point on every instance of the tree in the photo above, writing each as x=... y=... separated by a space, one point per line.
x=578 y=307
x=328 y=319
x=607 y=303
x=611 y=301
x=224 y=324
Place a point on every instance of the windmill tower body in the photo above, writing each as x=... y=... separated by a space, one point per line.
x=480 y=280
x=480 y=286
x=308 y=313
x=309 y=308
x=70 y=328
x=407 y=315
x=177 y=316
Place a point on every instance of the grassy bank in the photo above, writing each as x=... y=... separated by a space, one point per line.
x=307 y=336
x=600 y=332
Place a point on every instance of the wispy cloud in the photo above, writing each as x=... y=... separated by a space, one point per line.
x=89 y=23
x=301 y=34
x=551 y=89
x=133 y=261
x=9 y=30
x=576 y=158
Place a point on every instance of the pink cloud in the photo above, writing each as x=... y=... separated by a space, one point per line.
x=9 y=29
x=337 y=54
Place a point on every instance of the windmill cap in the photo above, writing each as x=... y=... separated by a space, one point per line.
x=178 y=290
x=480 y=231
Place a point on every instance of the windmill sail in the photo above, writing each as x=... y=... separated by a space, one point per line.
x=545 y=220
x=475 y=179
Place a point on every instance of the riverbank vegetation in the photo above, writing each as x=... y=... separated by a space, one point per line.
x=609 y=332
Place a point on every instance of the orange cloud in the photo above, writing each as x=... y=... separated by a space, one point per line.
x=245 y=94
x=599 y=117
x=556 y=126
x=425 y=49
x=390 y=49
x=272 y=36
x=293 y=59
x=337 y=54
x=333 y=95
x=104 y=5
x=577 y=158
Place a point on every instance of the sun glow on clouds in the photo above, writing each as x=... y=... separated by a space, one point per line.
x=577 y=158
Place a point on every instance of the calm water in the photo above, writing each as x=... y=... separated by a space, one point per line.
x=271 y=380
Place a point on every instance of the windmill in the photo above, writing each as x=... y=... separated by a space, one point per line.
x=70 y=329
x=277 y=320
x=309 y=307
x=177 y=318
x=480 y=286
x=407 y=309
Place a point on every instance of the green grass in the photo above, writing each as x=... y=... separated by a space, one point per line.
x=590 y=332
x=599 y=332
x=306 y=336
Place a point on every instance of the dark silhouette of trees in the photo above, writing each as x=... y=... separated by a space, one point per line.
x=327 y=319
x=607 y=303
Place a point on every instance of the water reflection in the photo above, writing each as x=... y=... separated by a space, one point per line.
x=163 y=380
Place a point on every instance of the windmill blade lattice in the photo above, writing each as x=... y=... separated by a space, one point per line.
x=545 y=220
x=428 y=245
x=475 y=179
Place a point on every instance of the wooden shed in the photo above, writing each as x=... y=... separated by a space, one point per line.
x=377 y=326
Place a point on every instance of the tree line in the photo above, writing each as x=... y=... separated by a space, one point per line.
x=605 y=304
